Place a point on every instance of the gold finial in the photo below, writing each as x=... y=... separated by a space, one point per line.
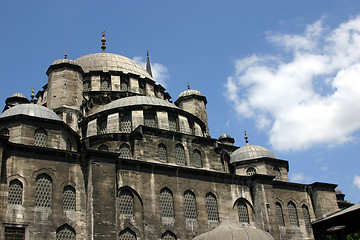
x=103 y=41
x=188 y=85
x=32 y=95
x=65 y=54
x=246 y=139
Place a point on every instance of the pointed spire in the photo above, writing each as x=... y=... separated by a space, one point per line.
x=103 y=41
x=65 y=54
x=148 y=65
x=246 y=139
x=32 y=96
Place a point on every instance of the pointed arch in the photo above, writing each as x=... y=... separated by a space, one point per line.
x=279 y=214
x=40 y=137
x=294 y=221
x=15 y=196
x=212 y=207
x=190 y=210
x=125 y=151
x=306 y=215
x=168 y=235
x=127 y=234
x=162 y=152
x=43 y=191
x=197 y=158
x=65 y=232
x=180 y=154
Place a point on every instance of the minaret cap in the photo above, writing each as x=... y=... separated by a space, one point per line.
x=103 y=41
x=246 y=139
x=148 y=65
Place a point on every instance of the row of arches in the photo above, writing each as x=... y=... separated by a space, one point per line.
x=128 y=234
x=43 y=193
x=293 y=215
x=64 y=232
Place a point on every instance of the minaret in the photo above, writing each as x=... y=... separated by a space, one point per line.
x=148 y=65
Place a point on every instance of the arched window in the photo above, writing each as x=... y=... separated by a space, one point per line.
x=105 y=84
x=40 y=138
x=166 y=203
x=142 y=88
x=126 y=123
x=162 y=152
x=150 y=120
x=126 y=203
x=197 y=158
x=190 y=205
x=168 y=236
x=180 y=154
x=125 y=151
x=102 y=125
x=173 y=123
x=68 y=144
x=277 y=173
x=87 y=85
x=211 y=207
x=69 y=198
x=124 y=82
x=250 y=171
x=307 y=219
x=127 y=234
x=65 y=232
x=293 y=214
x=15 y=192
x=242 y=212
x=279 y=214
x=4 y=132
x=43 y=191
x=103 y=148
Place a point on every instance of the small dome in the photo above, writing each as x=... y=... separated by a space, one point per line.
x=29 y=109
x=190 y=92
x=137 y=101
x=249 y=152
x=106 y=62
x=224 y=136
x=227 y=230
x=20 y=95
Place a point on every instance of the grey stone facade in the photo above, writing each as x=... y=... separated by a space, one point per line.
x=104 y=154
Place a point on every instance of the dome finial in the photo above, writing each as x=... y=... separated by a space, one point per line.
x=65 y=54
x=246 y=139
x=188 y=85
x=32 y=95
x=103 y=41
x=148 y=65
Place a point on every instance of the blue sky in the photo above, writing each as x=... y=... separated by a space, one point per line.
x=287 y=72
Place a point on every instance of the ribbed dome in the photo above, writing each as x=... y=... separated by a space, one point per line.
x=106 y=62
x=249 y=152
x=227 y=230
x=224 y=136
x=33 y=110
x=136 y=101
x=20 y=95
x=189 y=92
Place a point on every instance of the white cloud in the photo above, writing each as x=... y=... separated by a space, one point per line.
x=311 y=97
x=299 y=177
x=356 y=181
x=159 y=71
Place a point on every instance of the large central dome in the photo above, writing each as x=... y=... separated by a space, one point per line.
x=106 y=62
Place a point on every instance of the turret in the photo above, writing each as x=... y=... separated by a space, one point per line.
x=194 y=102
x=65 y=88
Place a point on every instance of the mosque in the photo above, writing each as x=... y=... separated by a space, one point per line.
x=101 y=152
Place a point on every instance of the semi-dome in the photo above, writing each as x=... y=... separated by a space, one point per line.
x=190 y=92
x=33 y=110
x=106 y=62
x=227 y=230
x=137 y=101
x=249 y=152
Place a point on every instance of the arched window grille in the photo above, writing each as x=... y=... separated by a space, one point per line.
x=279 y=214
x=102 y=126
x=124 y=83
x=197 y=158
x=125 y=151
x=242 y=212
x=293 y=214
x=166 y=203
x=126 y=123
x=4 y=132
x=142 y=88
x=277 y=173
x=150 y=120
x=68 y=144
x=40 y=138
x=180 y=154
x=190 y=205
x=15 y=192
x=126 y=203
x=65 y=232
x=307 y=219
x=14 y=233
x=69 y=198
x=103 y=148
x=162 y=152
x=173 y=123
x=87 y=85
x=211 y=207
x=127 y=234
x=105 y=84
x=168 y=236
x=250 y=171
x=43 y=191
